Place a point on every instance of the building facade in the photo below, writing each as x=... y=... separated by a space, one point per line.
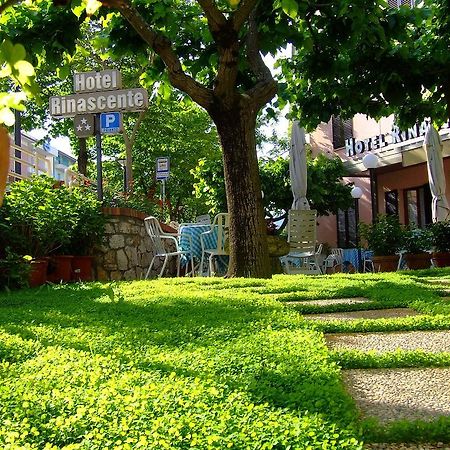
x=27 y=158
x=400 y=180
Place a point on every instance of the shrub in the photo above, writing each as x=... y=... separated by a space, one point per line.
x=417 y=240
x=441 y=236
x=40 y=216
x=384 y=237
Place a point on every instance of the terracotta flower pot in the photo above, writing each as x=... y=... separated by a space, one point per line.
x=417 y=261
x=82 y=268
x=60 y=269
x=38 y=272
x=441 y=259
x=387 y=263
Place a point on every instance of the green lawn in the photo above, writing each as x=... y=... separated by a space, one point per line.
x=204 y=363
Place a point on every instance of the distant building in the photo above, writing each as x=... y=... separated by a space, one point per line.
x=401 y=177
x=31 y=158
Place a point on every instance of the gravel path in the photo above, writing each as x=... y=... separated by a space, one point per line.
x=369 y=314
x=331 y=301
x=429 y=341
x=392 y=394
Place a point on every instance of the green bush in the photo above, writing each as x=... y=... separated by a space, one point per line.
x=39 y=216
x=384 y=237
x=417 y=240
x=441 y=236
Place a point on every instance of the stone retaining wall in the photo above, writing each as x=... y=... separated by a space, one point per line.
x=126 y=250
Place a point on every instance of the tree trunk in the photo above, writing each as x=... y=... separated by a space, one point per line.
x=249 y=254
x=82 y=157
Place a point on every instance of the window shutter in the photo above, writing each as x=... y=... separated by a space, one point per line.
x=342 y=130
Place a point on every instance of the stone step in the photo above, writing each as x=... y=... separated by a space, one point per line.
x=365 y=314
x=428 y=341
x=330 y=301
x=400 y=394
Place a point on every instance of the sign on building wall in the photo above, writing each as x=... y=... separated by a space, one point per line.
x=355 y=147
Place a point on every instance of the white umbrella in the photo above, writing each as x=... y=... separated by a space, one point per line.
x=297 y=167
x=433 y=147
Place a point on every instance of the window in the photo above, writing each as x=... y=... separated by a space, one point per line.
x=342 y=130
x=418 y=206
x=391 y=203
x=346 y=228
x=18 y=167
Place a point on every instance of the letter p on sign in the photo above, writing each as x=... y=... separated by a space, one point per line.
x=111 y=123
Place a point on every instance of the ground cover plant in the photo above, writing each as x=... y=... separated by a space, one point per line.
x=203 y=363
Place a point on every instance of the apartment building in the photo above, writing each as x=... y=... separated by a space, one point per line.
x=28 y=157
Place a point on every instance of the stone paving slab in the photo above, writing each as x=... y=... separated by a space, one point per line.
x=330 y=301
x=395 y=394
x=429 y=341
x=366 y=314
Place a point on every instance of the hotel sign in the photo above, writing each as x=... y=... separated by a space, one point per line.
x=396 y=136
x=98 y=92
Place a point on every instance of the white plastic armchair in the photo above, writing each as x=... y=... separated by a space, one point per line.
x=302 y=232
x=220 y=226
x=157 y=237
x=334 y=260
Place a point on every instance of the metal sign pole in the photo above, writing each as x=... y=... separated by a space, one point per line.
x=163 y=197
x=98 y=141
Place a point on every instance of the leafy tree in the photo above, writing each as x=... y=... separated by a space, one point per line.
x=326 y=192
x=211 y=51
x=400 y=65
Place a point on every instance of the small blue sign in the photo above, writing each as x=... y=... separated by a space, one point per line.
x=110 y=123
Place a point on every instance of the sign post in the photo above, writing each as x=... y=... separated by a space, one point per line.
x=97 y=93
x=162 y=174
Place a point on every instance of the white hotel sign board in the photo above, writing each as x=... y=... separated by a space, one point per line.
x=98 y=93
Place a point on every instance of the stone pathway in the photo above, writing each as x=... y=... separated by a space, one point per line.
x=429 y=341
x=366 y=314
x=330 y=301
x=392 y=394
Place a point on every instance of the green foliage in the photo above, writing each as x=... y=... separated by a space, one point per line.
x=441 y=236
x=166 y=364
x=39 y=216
x=417 y=240
x=326 y=191
x=14 y=67
x=14 y=269
x=384 y=237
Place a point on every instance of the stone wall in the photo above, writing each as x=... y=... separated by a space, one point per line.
x=126 y=250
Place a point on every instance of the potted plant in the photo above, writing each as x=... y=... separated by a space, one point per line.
x=416 y=243
x=36 y=221
x=441 y=243
x=86 y=233
x=384 y=238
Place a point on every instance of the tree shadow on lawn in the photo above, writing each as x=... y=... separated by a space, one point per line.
x=199 y=334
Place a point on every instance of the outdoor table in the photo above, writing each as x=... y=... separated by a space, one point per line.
x=355 y=256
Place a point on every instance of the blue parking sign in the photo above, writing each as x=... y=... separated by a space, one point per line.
x=111 y=123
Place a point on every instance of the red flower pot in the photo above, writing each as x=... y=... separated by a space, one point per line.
x=82 y=268
x=387 y=263
x=441 y=259
x=417 y=261
x=38 y=272
x=60 y=269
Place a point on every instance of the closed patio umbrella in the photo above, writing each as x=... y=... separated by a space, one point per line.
x=298 y=167
x=433 y=147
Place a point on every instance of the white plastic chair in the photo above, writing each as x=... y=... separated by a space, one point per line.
x=203 y=220
x=157 y=236
x=302 y=231
x=220 y=226
x=334 y=259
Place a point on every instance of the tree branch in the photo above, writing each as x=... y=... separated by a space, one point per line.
x=163 y=47
x=216 y=19
x=266 y=87
x=243 y=12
